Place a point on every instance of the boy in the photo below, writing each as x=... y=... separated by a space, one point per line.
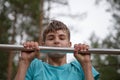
x=56 y=68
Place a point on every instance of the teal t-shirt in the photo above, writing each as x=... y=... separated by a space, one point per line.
x=39 y=70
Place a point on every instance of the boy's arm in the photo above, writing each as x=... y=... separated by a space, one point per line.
x=22 y=69
x=26 y=58
x=84 y=60
x=87 y=68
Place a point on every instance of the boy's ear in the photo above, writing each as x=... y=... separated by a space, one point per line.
x=43 y=43
x=70 y=44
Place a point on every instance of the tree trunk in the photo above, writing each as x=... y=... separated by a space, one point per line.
x=41 y=20
x=11 y=53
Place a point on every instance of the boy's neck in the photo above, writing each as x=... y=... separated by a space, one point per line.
x=57 y=61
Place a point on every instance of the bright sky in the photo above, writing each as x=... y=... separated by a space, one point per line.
x=94 y=19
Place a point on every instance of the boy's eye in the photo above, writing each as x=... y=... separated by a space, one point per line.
x=50 y=37
x=62 y=37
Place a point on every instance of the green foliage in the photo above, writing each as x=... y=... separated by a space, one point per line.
x=25 y=19
x=4 y=27
x=108 y=65
x=3 y=65
x=26 y=14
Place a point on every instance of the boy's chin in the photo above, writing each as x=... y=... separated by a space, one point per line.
x=56 y=55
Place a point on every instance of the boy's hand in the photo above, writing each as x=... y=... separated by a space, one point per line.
x=28 y=56
x=82 y=57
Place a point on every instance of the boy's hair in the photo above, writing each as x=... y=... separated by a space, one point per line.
x=54 y=26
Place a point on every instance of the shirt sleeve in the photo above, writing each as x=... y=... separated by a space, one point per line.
x=29 y=73
x=31 y=70
x=94 y=71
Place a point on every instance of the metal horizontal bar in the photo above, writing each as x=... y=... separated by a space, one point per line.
x=60 y=49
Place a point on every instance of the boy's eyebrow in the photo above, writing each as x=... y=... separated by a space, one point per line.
x=62 y=35
x=49 y=35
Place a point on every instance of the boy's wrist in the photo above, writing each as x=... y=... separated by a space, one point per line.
x=86 y=66
x=23 y=62
x=88 y=71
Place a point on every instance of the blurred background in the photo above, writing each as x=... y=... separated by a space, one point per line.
x=95 y=22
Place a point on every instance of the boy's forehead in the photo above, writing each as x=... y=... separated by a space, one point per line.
x=57 y=32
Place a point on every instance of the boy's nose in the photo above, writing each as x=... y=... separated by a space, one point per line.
x=57 y=41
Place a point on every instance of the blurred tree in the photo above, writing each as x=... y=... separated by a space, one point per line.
x=96 y=60
x=4 y=36
x=105 y=64
x=110 y=67
x=25 y=20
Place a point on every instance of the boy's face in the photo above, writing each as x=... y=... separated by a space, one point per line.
x=58 y=38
